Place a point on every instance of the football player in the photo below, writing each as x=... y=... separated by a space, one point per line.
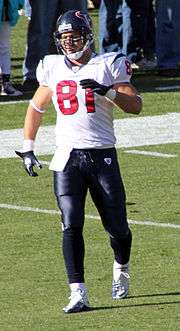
x=84 y=87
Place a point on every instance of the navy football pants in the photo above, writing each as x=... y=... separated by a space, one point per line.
x=98 y=171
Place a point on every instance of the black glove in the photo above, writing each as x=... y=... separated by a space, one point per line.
x=95 y=86
x=29 y=161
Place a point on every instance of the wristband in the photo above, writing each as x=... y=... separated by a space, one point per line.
x=111 y=94
x=28 y=145
x=35 y=107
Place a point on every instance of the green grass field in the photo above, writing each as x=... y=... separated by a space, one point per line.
x=33 y=284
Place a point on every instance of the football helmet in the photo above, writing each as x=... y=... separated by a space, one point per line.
x=74 y=20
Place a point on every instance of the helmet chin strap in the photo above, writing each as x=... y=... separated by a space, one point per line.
x=78 y=55
x=75 y=56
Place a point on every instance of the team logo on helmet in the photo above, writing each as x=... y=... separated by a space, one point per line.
x=83 y=17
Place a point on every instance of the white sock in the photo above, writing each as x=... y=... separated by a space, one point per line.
x=76 y=286
x=117 y=269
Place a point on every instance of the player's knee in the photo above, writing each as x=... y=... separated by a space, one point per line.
x=69 y=223
x=72 y=218
x=72 y=214
x=72 y=233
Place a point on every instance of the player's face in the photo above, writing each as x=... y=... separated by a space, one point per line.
x=71 y=42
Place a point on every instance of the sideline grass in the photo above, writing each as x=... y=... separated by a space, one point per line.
x=12 y=116
x=33 y=290
x=33 y=281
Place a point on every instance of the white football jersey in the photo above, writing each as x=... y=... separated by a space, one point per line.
x=84 y=118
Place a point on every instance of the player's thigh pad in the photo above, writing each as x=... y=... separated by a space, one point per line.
x=70 y=191
x=108 y=194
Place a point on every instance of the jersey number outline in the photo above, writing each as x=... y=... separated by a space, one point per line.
x=67 y=98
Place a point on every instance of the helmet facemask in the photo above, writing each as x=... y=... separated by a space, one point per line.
x=62 y=44
x=73 y=21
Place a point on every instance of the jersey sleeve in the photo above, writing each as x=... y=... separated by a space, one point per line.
x=42 y=73
x=121 y=70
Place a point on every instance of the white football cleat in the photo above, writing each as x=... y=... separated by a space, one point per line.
x=78 y=302
x=120 y=287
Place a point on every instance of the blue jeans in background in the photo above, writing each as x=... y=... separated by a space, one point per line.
x=168 y=33
x=40 y=30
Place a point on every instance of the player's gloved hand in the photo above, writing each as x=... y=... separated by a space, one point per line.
x=95 y=86
x=29 y=161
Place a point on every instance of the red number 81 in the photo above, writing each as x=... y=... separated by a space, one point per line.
x=67 y=98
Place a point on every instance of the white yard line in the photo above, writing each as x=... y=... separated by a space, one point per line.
x=166 y=88
x=44 y=162
x=23 y=208
x=148 y=130
x=13 y=102
x=52 y=212
x=130 y=132
x=155 y=154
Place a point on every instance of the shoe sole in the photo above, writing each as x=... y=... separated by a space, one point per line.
x=11 y=95
x=78 y=310
x=123 y=296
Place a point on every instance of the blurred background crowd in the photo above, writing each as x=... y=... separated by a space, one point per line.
x=146 y=31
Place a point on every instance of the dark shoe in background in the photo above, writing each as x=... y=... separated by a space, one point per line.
x=9 y=90
x=30 y=85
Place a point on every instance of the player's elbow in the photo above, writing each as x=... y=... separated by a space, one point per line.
x=135 y=106
x=139 y=103
x=133 y=109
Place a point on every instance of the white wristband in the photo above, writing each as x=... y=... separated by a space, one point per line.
x=35 y=107
x=28 y=145
x=111 y=94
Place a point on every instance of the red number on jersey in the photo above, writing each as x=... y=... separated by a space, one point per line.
x=66 y=96
x=89 y=100
x=67 y=100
